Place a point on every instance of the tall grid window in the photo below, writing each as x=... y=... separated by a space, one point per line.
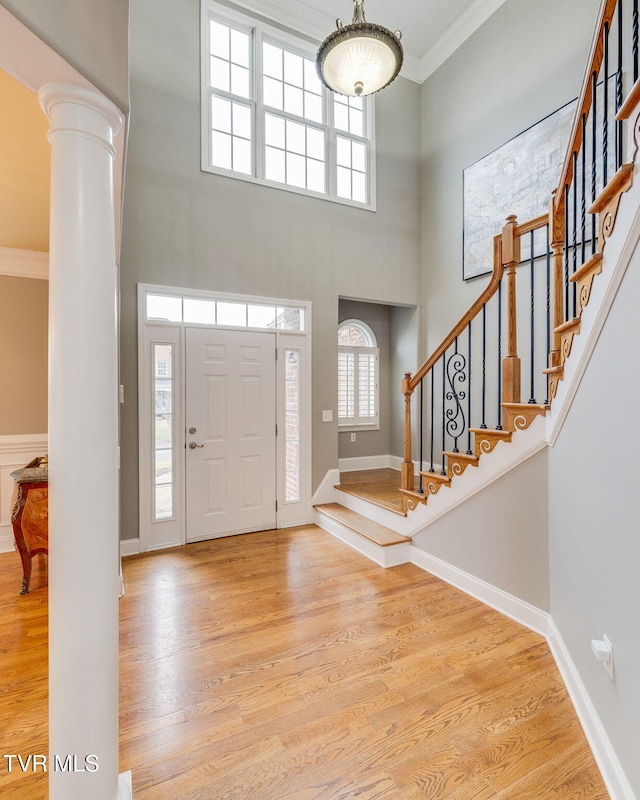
x=267 y=117
x=358 y=389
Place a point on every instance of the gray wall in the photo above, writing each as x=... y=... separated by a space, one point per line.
x=91 y=35
x=594 y=477
x=500 y=535
x=187 y=228
x=486 y=93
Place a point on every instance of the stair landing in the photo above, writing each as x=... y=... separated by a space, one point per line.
x=378 y=486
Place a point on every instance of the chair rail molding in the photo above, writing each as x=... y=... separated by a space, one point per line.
x=17 y=263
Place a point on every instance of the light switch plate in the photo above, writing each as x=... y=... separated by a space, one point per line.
x=327 y=416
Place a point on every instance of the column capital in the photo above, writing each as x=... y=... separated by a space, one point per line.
x=54 y=94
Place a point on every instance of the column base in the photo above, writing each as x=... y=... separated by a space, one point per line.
x=125 y=786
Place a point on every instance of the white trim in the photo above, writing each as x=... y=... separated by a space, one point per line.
x=455 y=36
x=386 y=557
x=326 y=493
x=364 y=462
x=24 y=263
x=612 y=773
x=125 y=786
x=15 y=452
x=513 y=607
x=151 y=331
x=129 y=547
x=617 y=256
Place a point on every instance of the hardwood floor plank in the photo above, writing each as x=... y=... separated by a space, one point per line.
x=284 y=666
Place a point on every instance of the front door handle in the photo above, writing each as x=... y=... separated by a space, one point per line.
x=193 y=445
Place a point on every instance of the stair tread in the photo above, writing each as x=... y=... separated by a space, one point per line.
x=538 y=406
x=436 y=476
x=568 y=325
x=462 y=456
x=613 y=188
x=593 y=263
x=373 y=531
x=492 y=432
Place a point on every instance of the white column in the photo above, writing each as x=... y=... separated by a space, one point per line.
x=83 y=442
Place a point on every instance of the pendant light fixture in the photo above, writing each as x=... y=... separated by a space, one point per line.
x=360 y=58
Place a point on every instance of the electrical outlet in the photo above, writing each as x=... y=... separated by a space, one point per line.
x=353 y=437
x=603 y=651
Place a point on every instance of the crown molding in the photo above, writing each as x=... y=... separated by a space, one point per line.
x=24 y=263
x=456 y=35
x=315 y=25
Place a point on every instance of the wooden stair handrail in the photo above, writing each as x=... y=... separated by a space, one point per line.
x=585 y=99
x=492 y=288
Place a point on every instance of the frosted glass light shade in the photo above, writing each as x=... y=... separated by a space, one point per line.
x=359 y=59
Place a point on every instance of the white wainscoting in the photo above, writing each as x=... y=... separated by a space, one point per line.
x=15 y=452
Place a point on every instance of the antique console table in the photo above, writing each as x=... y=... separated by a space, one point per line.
x=30 y=514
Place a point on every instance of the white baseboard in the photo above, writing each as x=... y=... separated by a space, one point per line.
x=363 y=462
x=507 y=604
x=6 y=539
x=612 y=773
x=129 y=547
x=125 y=786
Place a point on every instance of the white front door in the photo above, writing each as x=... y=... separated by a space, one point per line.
x=231 y=432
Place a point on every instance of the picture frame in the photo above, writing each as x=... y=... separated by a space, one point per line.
x=515 y=178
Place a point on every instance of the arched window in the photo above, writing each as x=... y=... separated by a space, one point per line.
x=358 y=356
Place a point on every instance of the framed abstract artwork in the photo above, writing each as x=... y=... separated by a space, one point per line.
x=517 y=178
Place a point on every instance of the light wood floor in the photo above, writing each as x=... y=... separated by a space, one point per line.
x=284 y=666
x=380 y=486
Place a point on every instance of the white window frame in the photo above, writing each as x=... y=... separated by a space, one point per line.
x=361 y=423
x=156 y=534
x=209 y=9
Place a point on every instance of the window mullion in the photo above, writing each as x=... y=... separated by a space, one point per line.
x=258 y=119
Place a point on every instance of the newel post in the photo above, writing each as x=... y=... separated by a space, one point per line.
x=511 y=362
x=556 y=226
x=407 y=476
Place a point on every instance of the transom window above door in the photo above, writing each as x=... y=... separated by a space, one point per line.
x=267 y=118
x=358 y=376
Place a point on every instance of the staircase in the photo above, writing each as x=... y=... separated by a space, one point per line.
x=466 y=422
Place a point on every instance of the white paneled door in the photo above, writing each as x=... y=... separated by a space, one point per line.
x=231 y=432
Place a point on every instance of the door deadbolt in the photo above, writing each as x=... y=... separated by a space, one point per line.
x=192 y=431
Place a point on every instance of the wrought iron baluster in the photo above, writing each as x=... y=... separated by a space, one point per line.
x=456 y=376
x=594 y=154
x=635 y=40
x=483 y=424
x=443 y=471
x=575 y=229
x=583 y=192
x=605 y=109
x=499 y=425
x=546 y=402
x=566 y=254
x=619 y=88
x=433 y=394
x=532 y=398
x=421 y=427
x=469 y=397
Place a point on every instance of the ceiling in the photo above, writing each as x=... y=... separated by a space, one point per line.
x=432 y=30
